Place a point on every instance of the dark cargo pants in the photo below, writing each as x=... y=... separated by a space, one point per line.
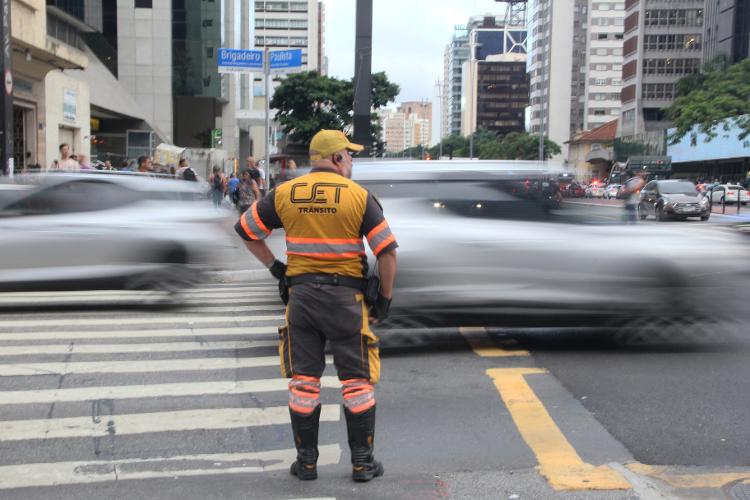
x=337 y=314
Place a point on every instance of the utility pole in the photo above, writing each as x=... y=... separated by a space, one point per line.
x=363 y=76
x=267 y=126
x=6 y=103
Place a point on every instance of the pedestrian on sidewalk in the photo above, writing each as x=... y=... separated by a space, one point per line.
x=218 y=184
x=66 y=163
x=631 y=190
x=325 y=215
x=247 y=192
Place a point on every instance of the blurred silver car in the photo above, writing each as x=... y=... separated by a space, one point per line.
x=96 y=230
x=480 y=245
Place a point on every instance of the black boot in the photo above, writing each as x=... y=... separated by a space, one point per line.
x=361 y=430
x=305 y=430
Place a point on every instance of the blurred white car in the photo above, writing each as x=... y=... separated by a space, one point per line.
x=480 y=245
x=107 y=231
x=728 y=193
x=612 y=191
x=596 y=191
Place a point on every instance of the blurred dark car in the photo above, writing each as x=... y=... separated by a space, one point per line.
x=673 y=199
x=106 y=231
x=575 y=190
x=479 y=246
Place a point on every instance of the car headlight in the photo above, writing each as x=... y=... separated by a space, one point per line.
x=704 y=200
x=669 y=203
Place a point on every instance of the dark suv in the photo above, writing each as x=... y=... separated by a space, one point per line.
x=673 y=199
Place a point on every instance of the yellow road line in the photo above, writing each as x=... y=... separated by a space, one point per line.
x=484 y=346
x=698 y=480
x=558 y=461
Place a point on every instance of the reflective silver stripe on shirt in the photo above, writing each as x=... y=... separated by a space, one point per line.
x=258 y=233
x=321 y=248
x=379 y=238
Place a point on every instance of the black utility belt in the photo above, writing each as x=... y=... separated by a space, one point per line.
x=328 y=279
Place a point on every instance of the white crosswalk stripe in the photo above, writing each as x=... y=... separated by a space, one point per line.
x=150 y=366
x=222 y=388
x=106 y=346
x=149 y=320
x=72 y=348
x=243 y=331
x=145 y=423
x=97 y=471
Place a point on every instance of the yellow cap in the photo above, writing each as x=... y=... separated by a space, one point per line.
x=327 y=142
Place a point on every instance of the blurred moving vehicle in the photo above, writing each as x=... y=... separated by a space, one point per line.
x=479 y=247
x=672 y=199
x=727 y=193
x=612 y=191
x=575 y=190
x=596 y=190
x=106 y=231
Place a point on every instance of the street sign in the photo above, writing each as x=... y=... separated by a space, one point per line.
x=285 y=60
x=216 y=137
x=240 y=61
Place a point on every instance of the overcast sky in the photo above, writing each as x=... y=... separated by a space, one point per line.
x=409 y=37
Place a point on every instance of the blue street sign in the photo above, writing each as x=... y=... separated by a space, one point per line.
x=285 y=60
x=240 y=61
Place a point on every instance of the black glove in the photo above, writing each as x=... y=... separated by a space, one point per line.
x=278 y=269
x=379 y=309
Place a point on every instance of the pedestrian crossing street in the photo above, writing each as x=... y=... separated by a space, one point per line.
x=103 y=394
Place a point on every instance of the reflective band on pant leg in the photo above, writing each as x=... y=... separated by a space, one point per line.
x=359 y=395
x=304 y=393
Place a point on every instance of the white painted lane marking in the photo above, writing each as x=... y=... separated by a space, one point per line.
x=34 y=349
x=228 y=387
x=98 y=471
x=141 y=334
x=146 y=423
x=238 y=291
x=141 y=366
x=239 y=300
x=155 y=320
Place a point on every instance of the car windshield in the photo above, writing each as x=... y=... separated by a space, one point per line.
x=677 y=188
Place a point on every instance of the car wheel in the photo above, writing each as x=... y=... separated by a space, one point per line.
x=704 y=218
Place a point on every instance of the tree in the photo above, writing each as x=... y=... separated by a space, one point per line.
x=720 y=97
x=307 y=102
x=487 y=146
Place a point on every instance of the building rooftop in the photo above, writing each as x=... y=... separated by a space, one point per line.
x=602 y=133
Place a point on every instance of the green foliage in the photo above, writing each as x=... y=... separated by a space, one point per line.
x=487 y=146
x=721 y=93
x=307 y=102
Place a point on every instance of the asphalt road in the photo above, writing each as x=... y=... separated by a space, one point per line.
x=134 y=403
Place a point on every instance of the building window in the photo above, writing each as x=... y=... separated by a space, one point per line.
x=143 y=4
x=602 y=52
x=671 y=66
x=674 y=17
x=672 y=42
x=658 y=91
x=601 y=36
x=210 y=52
x=603 y=6
x=601 y=67
x=600 y=112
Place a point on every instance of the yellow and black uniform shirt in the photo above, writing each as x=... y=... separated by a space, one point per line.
x=325 y=216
